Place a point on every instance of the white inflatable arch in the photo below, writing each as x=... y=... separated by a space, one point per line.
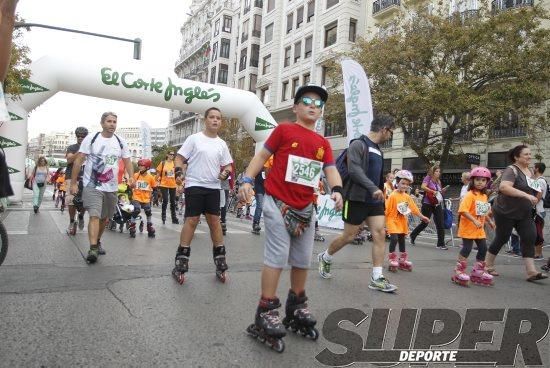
x=123 y=81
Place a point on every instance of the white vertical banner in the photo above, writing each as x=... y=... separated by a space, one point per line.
x=327 y=215
x=358 y=99
x=145 y=135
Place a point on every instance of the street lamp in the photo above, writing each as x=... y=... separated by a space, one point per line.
x=135 y=41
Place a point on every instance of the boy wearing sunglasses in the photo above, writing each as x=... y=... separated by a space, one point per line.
x=299 y=156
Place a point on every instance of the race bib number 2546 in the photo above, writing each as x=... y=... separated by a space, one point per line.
x=303 y=171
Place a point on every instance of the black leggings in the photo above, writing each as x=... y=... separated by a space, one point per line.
x=526 y=230
x=467 y=248
x=437 y=211
x=165 y=193
x=394 y=239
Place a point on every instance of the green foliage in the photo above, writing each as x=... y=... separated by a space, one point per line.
x=459 y=73
x=19 y=63
x=159 y=154
x=240 y=143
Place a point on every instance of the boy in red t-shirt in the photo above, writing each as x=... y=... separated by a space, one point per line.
x=299 y=156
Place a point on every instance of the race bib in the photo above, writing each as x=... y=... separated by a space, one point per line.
x=533 y=184
x=403 y=208
x=143 y=185
x=170 y=173
x=303 y=171
x=482 y=208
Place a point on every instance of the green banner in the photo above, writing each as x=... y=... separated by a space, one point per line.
x=29 y=87
x=14 y=117
x=8 y=143
x=262 y=124
x=11 y=170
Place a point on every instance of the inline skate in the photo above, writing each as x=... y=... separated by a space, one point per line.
x=221 y=265
x=298 y=317
x=318 y=237
x=141 y=226
x=256 y=228
x=267 y=326
x=150 y=230
x=132 y=229
x=224 y=228
x=404 y=263
x=460 y=277
x=72 y=229
x=479 y=275
x=393 y=263
x=181 y=264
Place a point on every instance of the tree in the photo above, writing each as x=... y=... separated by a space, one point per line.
x=461 y=73
x=19 y=63
x=159 y=154
x=240 y=143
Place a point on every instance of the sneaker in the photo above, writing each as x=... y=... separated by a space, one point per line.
x=443 y=247
x=35 y=208
x=538 y=258
x=324 y=267
x=80 y=223
x=412 y=240
x=100 y=249
x=175 y=221
x=93 y=254
x=382 y=284
x=545 y=268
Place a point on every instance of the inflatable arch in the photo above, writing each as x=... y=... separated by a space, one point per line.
x=128 y=82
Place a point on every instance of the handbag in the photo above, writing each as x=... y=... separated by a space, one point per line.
x=28 y=183
x=447 y=218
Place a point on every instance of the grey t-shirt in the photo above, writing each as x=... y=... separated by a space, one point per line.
x=73 y=148
x=514 y=207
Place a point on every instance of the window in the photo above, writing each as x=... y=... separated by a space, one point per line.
x=227 y=24
x=306 y=79
x=259 y=3
x=295 y=85
x=324 y=72
x=246 y=6
x=264 y=95
x=215 y=51
x=267 y=64
x=299 y=16
x=222 y=74
x=331 y=3
x=284 y=91
x=242 y=60
x=331 y=32
x=308 y=47
x=257 y=30
x=270 y=5
x=413 y=164
x=224 y=49
x=244 y=36
x=352 y=30
x=297 y=51
x=498 y=160
x=255 y=55
x=253 y=81
x=241 y=83
x=269 y=33
x=287 y=56
x=310 y=10
x=213 y=75
x=289 y=20
x=217 y=27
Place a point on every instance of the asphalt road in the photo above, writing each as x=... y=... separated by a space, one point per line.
x=127 y=311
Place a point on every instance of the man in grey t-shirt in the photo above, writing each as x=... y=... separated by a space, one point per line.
x=70 y=155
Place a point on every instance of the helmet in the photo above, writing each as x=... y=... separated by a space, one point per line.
x=81 y=131
x=404 y=174
x=480 y=172
x=144 y=162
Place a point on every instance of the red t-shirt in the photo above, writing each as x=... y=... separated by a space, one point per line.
x=291 y=138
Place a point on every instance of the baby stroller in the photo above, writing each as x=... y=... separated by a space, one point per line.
x=123 y=211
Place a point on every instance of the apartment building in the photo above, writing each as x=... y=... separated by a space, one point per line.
x=158 y=136
x=50 y=145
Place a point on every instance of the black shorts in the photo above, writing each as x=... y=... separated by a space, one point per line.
x=199 y=200
x=355 y=212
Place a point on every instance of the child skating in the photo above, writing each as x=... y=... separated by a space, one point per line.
x=145 y=184
x=399 y=205
x=473 y=211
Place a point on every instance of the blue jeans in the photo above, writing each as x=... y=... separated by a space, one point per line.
x=259 y=204
x=515 y=243
x=37 y=194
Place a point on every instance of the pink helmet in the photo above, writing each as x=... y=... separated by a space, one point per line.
x=480 y=172
x=404 y=174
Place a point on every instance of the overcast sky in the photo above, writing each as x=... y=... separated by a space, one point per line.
x=156 y=23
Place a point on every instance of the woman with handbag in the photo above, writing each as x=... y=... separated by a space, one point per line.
x=432 y=204
x=38 y=180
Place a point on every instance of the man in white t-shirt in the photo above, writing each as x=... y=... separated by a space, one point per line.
x=204 y=153
x=100 y=152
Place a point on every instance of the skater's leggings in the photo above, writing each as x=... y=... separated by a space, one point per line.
x=526 y=231
x=467 y=248
x=437 y=211
x=224 y=208
x=397 y=238
x=165 y=192
x=137 y=209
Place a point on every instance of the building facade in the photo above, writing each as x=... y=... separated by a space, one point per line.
x=158 y=137
x=50 y=145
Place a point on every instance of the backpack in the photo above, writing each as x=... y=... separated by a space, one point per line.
x=342 y=161
x=546 y=198
x=95 y=137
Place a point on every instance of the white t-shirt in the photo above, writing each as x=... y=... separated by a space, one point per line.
x=464 y=191
x=205 y=156
x=540 y=205
x=101 y=163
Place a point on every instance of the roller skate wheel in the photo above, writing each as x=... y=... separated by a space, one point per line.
x=313 y=334
x=278 y=345
x=222 y=276
x=392 y=269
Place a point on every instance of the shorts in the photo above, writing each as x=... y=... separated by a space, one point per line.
x=281 y=248
x=199 y=200
x=99 y=204
x=355 y=212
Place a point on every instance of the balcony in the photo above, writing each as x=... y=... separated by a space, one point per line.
x=256 y=33
x=384 y=8
x=181 y=117
x=387 y=144
x=497 y=5
x=510 y=132
x=463 y=136
x=259 y=3
x=244 y=37
x=188 y=51
x=465 y=15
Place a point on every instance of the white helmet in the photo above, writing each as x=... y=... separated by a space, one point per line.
x=404 y=174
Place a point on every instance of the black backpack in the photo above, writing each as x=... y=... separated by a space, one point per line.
x=546 y=198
